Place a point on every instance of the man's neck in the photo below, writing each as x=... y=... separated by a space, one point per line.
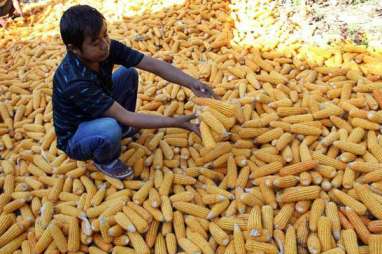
x=91 y=65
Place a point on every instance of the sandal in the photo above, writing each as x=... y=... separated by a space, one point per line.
x=116 y=169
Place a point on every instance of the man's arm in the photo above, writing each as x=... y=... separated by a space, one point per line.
x=139 y=120
x=16 y=4
x=174 y=75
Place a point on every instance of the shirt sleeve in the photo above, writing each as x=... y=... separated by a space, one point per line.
x=89 y=98
x=123 y=55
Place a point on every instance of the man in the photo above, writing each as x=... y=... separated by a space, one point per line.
x=93 y=108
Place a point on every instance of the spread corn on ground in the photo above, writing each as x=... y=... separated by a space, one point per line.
x=292 y=161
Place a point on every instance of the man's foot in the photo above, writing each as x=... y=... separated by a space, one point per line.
x=131 y=131
x=116 y=169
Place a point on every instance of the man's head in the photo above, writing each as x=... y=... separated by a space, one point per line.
x=84 y=32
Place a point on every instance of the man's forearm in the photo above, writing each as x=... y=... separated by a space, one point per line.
x=139 y=120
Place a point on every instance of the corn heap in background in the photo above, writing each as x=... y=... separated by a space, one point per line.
x=289 y=160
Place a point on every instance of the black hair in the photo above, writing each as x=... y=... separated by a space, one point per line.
x=80 y=21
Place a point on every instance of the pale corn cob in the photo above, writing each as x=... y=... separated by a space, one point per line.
x=358 y=225
x=138 y=243
x=221 y=107
x=43 y=242
x=282 y=218
x=179 y=226
x=139 y=222
x=368 y=199
x=199 y=241
x=254 y=246
x=188 y=246
x=12 y=246
x=218 y=234
x=316 y=211
x=171 y=243
x=300 y=193
x=350 y=241
x=375 y=245
x=290 y=246
x=314 y=245
x=331 y=211
x=125 y=222
x=298 y=168
x=58 y=237
x=350 y=202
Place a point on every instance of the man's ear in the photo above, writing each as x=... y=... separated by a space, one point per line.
x=73 y=49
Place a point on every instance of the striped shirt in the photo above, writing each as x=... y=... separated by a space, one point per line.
x=81 y=94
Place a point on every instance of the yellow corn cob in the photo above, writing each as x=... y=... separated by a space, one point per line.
x=166 y=208
x=222 y=107
x=43 y=242
x=365 y=124
x=350 y=147
x=231 y=172
x=6 y=220
x=195 y=225
x=305 y=129
x=58 y=237
x=331 y=211
x=154 y=198
x=325 y=160
x=138 y=221
x=350 y=202
x=188 y=246
x=300 y=193
x=290 y=241
x=368 y=199
x=350 y=241
x=124 y=222
x=15 y=244
x=372 y=176
x=179 y=226
x=213 y=123
x=314 y=245
x=152 y=233
x=160 y=245
x=358 y=225
x=282 y=218
x=375 y=244
x=285 y=181
x=268 y=169
x=298 y=167
x=254 y=246
x=192 y=209
x=199 y=241
x=269 y=136
x=168 y=178
x=324 y=233
x=238 y=240
x=217 y=209
x=220 y=236
x=143 y=192
x=316 y=211
x=138 y=243
x=171 y=243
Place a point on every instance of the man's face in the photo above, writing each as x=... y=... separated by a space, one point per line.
x=95 y=49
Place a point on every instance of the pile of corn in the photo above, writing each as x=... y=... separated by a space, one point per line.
x=289 y=160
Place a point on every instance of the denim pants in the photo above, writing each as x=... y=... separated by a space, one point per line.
x=99 y=139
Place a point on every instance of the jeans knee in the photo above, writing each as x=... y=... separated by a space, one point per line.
x=111 y=130
x=133 y=75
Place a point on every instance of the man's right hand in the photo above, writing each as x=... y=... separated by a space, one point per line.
x=184 y=123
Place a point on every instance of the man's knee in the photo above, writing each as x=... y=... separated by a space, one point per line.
x=133 y=75
x=110 y=130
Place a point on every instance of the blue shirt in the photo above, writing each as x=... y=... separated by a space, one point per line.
x=81 y=94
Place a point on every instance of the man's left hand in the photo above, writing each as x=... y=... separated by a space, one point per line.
x=202 y=90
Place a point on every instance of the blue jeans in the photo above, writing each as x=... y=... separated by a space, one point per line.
x=99 y=139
